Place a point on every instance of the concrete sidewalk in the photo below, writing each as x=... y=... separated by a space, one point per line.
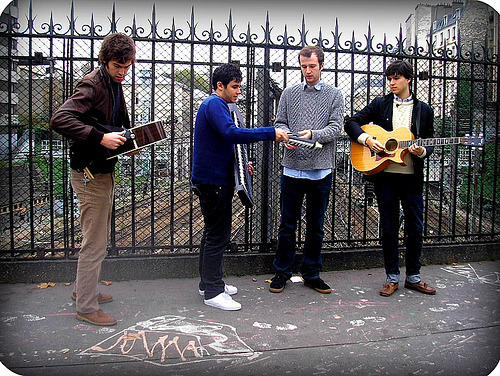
x=165 y=329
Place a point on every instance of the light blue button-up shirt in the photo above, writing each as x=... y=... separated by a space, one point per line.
x=397 y=99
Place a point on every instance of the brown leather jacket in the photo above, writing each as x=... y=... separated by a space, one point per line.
x=82 y=116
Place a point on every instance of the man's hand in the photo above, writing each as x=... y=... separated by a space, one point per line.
x=417 y=150
x=250 y=168
x=281 y=135
x=374 y=145
x=307 y=134
x=113 y=140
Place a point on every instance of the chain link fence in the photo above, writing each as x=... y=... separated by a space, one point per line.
x=155 y=212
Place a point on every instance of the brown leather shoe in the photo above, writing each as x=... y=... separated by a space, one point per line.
x=96 y=318
x=102 y=298
x=421 y=286
x=389 y=288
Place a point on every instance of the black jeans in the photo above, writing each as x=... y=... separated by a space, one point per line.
x=317 y=193
x=393 y=190
x=216 y=207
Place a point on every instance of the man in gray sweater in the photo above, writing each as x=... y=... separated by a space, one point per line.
x=313 y=110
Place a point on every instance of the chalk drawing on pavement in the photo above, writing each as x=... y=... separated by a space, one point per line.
x=263 y=325
x=468 y=271
x=375 y=319
x=171 y=340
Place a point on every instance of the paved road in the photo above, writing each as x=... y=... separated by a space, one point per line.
x=165 y=329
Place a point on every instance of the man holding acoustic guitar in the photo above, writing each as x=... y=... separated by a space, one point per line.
x=397 y=184
x=98 y=99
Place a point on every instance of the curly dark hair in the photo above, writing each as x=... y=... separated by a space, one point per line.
x=117 y=46
x=225 y=74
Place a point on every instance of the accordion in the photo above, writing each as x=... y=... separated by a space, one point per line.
x=242 y=177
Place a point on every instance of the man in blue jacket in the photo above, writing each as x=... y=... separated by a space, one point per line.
x=398 y=184
x=215 y=134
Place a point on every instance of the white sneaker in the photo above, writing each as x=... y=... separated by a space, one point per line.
x=223 y=301
x=228 y=289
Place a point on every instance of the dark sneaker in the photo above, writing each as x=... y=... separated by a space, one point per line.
x=318 y=284
x=278 y=283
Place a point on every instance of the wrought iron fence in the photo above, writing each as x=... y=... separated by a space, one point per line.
x=155 y=212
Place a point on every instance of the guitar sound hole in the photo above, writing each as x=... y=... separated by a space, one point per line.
x=391 y=145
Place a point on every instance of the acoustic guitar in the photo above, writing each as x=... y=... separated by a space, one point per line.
x=396 y=145
x=139 y=137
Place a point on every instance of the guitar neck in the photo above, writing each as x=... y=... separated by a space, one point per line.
x=431 y=142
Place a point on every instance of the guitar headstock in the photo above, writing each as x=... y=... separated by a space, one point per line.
x=474 y=140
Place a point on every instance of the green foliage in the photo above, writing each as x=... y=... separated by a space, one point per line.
x=38 y=122
x=443 y=127
x=184 y=76
x=57 y=178
x=485 y=179
x=40 y=126
x=464 y=101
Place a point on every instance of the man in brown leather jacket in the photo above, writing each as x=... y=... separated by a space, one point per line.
x=92 y=119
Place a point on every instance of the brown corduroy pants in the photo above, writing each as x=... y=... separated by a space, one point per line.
x=95 y=202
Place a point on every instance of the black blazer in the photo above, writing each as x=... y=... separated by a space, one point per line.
x=379 y=112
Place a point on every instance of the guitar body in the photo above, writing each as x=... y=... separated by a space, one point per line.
x=368 y=162
x=140 y=137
